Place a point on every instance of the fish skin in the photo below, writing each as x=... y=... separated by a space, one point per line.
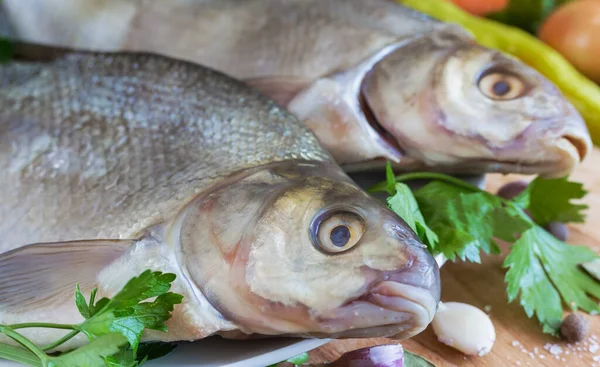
x=111 y=140
x=118 y=163
x=358 y=73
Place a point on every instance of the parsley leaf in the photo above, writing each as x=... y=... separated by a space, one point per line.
x=390 y=179
x=81 y=303
x=125 y=314
x=147 y=285
x=298 y=360
x=114 y=327
x=542 y=270
x=6 y=50
x=466 y=222
x=549 y=200
x=149 y=315
x=92 y=354
x=404 y=204
x=19 y=354
x=413 y=360
x=545 y=269
x=155 y=350
x=146 y=352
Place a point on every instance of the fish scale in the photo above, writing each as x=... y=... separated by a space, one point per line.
x=125 y=135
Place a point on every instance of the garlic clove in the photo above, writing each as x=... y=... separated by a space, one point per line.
x=465 y=328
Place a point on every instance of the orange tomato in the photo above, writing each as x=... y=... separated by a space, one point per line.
x=481 y=7
x=574 y=30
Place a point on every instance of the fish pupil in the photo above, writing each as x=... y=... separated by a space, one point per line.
x=501 y=88
x=340 y=236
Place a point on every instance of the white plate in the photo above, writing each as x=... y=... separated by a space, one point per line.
x=217 y=352
x=214 y=352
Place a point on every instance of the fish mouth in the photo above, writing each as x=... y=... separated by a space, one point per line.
x=387 y=139
x=399 y=297
x=563 y=156
x=399 y=307
x=581 y=145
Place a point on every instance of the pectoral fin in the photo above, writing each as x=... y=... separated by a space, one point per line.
x=44 y=275
x=280 y=89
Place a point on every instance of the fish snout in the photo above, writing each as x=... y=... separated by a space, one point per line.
x=572 y=145
x=577 y=143
x=414 y=291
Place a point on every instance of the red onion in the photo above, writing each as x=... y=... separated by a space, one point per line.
x=388 y=355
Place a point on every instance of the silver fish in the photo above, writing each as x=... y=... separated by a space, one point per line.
x=117 y=163
x=373 y=79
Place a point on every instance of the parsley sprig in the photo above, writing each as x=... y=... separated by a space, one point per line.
x=459 y=220
x=113 y=326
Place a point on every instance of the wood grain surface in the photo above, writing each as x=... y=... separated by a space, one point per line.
x=520 y=341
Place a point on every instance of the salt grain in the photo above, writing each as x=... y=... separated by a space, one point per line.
x=593 y=348
x=596 y=358
x=536 y=350
x=515 y=343
x=487 y=308
x=555 y=349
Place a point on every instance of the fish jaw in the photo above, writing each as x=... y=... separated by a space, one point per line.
x=568 y=138
x=398 y=305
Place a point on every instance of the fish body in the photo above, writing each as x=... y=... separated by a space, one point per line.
x=374 y=80
x=117 y=162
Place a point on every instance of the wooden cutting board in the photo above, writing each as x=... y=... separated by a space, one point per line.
x=519 y=340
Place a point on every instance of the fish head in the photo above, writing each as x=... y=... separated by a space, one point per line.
x=449 y=102
x=309 y=254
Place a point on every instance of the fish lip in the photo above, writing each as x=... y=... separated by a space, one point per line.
x=402 y=307
x=569 y=150
x=581 y=144
x=405 y=298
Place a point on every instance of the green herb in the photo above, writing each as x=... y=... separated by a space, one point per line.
x=542 y=270
x=413 y=360
x=466 y=222
x=6 y=50
x=146 y=352
x=405 y=205
x=550 y=201
x=390 y=179
x=298 y=360
x=113 y=326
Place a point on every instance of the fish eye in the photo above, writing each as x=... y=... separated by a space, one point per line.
x=338 y=231
x=501 y=86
